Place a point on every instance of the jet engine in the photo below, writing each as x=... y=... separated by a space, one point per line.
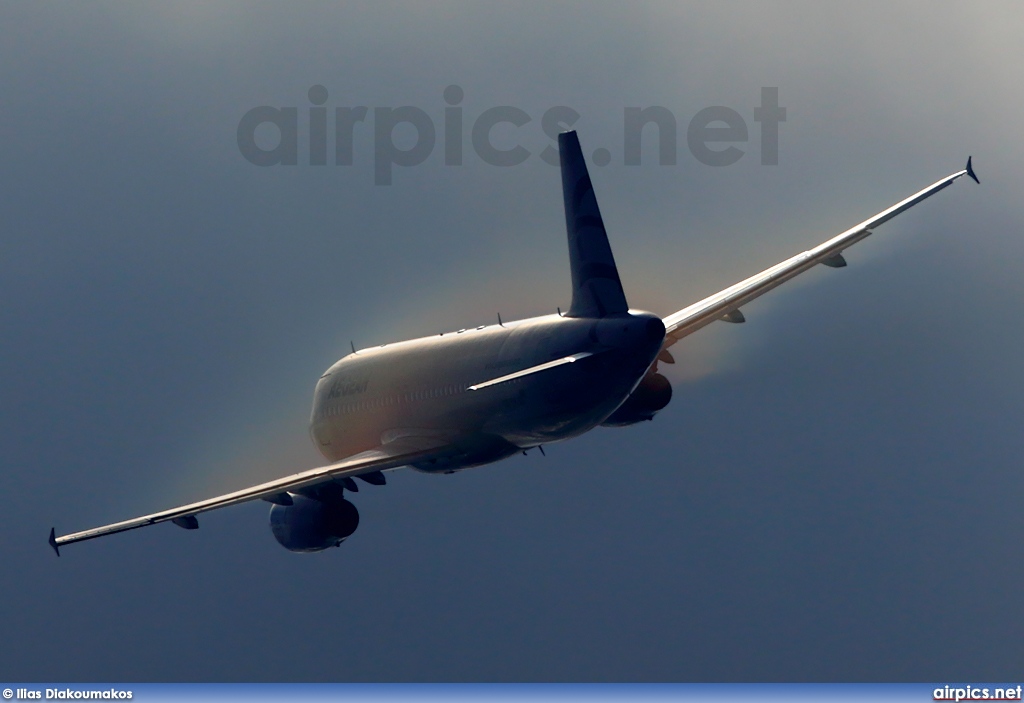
x=651 y=395
x=310 y=525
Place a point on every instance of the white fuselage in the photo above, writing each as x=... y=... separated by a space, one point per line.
x=421 y=387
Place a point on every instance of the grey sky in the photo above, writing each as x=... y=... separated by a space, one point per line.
x=835 y=493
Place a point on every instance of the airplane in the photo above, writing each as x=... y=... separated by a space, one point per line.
x=463 y=399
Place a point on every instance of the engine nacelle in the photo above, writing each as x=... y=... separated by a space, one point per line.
x=309 y=525
x=652 y=394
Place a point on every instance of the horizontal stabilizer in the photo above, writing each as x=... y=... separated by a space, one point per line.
x=533 y=369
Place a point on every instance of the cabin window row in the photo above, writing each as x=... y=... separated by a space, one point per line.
x=385 y=401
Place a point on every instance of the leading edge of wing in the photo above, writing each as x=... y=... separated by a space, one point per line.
x=690 y=319
x=387 y=456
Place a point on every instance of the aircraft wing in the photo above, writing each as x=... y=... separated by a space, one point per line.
x=725 y=304
x=387 y=456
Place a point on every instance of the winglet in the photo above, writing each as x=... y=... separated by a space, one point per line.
x=970 y=171
x=53 y=541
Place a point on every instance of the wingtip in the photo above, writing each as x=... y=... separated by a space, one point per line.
x=53 y=541
x=970 y=171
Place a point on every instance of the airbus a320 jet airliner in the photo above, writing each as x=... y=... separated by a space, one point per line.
x=463 y=399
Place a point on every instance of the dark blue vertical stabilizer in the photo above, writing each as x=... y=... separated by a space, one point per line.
x=596 y=289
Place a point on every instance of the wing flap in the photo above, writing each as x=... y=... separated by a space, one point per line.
x=690 y=319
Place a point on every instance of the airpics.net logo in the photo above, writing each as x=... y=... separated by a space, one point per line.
x=977 y=693
x=270 y=136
